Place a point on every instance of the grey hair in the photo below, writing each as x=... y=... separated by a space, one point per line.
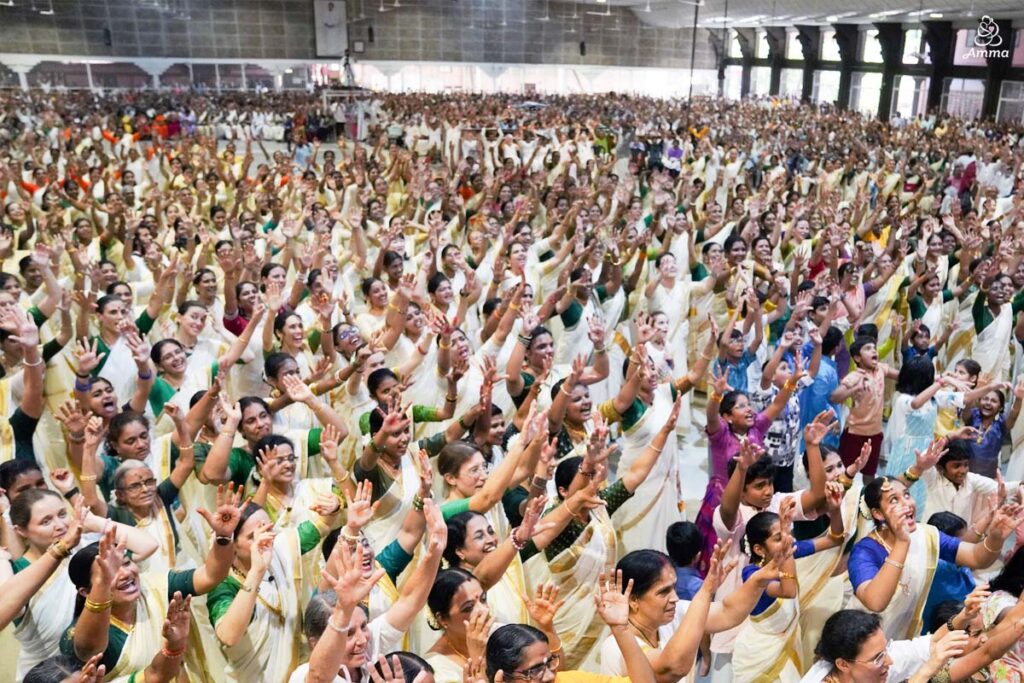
x=318 y=613
x=123 y=469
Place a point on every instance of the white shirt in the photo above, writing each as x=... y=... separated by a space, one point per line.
x=384 y=638
x=968 y=501
x=907 y=657
x=612 y=662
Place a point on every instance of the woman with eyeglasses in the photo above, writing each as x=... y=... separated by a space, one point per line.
x=140 y=499
x=517 y=652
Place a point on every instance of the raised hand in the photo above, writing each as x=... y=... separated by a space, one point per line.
x=176 y=625
x=749 y=453
x=823 y=423
x=263 y=549
x=297 y=390
x=326 y=505
x=360 y=509
x=109 y=560
x=93 y=671
x=229 y=510
x=613 y=600
x=718 y=568
x=478 y=630
x=545 y=606
x=935 y=450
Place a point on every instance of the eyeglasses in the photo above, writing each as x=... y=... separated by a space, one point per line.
x=536 y=673
x=878 y=660
x=140 y=485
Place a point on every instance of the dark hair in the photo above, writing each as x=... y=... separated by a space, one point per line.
x=1011 y=578
x=831 y=341
x=158 y=349
x=729 y=400
x=447 y=583
x=453 y=456
x=858 y=345
x=268 y=442
x=535 y=333
x=246 y=401
x=868 y=330
x=948 y=523
x=759 y=528
x=119 y=423
x=53 y=669
x=377 y=378
x=21 y=508
x=943 y=612
x=566 y=472
x=248 y=510
x=105 y=301
x=956 y=450
x=505 y=647
x=915 y=376
x=643 y=567
x=367 y=284
x=435 y=281
x=684 y=541
x=844 y=633
x=970 y=366
x=457 y=526
x=873 y=491
x=12 y=469
x=275 y=362
x=412 y=665
x=281 y=319
x=761 y=469
x=923 y=329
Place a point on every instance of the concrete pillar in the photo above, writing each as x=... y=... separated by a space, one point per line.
x=810 y=46
x=776 y=53
x=940 y=38
x=999 y=62
x=891 y=38
x=846 y=39
x=244 y=87
x=88 y=75
x=216 y=76
x=22 y=67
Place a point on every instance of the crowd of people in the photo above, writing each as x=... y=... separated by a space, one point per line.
x=414 y=406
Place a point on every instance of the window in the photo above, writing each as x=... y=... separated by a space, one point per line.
x=760 y=80
x=734 y=44
x=910 y=96
x=791 y=84
x=761 y=42
x=870 y=48
x=826 y=86
x=1011 y=102
x=865 y=91
x=793 y=47
x=913 y=47
x=963 y=97
x=829 y=46
x=962 y=55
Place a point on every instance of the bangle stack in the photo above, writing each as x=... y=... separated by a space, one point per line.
x=349 y=537
x=442 y=345
x=450 y=399
x=910 y=476
x=98 y=607
x=524 y=340
x=88 y=477
x=172 y=654
x=417 y=502
x=516 y=543
x=789 y=386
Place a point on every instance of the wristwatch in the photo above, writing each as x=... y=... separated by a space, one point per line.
x=224 y=540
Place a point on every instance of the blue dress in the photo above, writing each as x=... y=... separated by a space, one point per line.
x=908 y=431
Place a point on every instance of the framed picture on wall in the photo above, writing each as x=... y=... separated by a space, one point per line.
x=358 y=46
x=331 y=27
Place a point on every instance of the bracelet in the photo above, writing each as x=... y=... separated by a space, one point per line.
x=835 y=536
x=59 y=550
x=32 y=365
x=950 y=625
x=247 y=589
x=392 y=307
x=524 y=340
x=600 y=349
x=910 y=477
x=565 y=391
x=85 y=376
x=583 y=473
x=421 y=351
x=148 y=375
x=516 y=543
x=984 y=544
x=334 y=627
x=88 y=477
x=71 y=493
x=462 y=423
x=172 y=654
x=567 y=507
x=97 y=607
x=514 y=307
x=716 y=397
x=183 y=449
x=442 y=345
x=539 y=483
x=349 y=537
x=898 y=565
x=76 y=438
x=846 y=481
x=417 y=503
x=707 y=356
x=980 y=534
x=787 y=575
x=789 y=386
x=341 y=480
x=375 y=447
x=450 y=399
x=83 y=386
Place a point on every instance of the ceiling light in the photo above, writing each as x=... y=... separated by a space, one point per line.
x=832 y=17
x=935 y=15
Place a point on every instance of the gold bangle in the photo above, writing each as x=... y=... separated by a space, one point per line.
x=787 y=575
x=97 y=607
x=182 y=449
x=514 y=307
x=393 y=307
x=910 y=477
x=834 y=536
x=569 y=508
x=88 y=477
x=984 y=544
x=789 y=386
x=898 y=565
x=442 y=345
x=707 y=357
x=451 y=399
x=342 y=480
x=716 y=397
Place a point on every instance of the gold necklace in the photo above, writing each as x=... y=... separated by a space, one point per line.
x=904 y=582
x=273 y=609
x=643 y=636
x=465 y=657
x=881 y=542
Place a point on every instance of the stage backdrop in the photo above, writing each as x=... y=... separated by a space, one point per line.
x=331 y=27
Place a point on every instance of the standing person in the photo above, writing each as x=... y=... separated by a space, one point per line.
x=866 y=386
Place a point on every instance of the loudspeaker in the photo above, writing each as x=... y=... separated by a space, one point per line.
x=369 y=34
x=108 y=40
x=583 y=48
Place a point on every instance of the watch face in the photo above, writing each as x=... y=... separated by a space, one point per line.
x=221 y=540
